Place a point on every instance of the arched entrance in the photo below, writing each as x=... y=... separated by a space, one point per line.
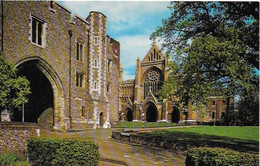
x=151 y=113
x=47 y=93
x=101 y=120
x=41 y=97
x=175 y=115
x=129 y=115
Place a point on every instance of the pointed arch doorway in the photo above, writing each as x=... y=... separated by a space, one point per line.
x=151 y=112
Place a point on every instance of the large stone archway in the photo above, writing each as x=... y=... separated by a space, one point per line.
x=151 y=114
x=47 y=92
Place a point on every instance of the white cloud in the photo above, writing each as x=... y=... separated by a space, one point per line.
x=133 y=47
x=122 y=14
x=130 y=23
x=127 y=75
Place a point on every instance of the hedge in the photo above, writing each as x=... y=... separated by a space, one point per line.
x=65 y=152
x=205 y=156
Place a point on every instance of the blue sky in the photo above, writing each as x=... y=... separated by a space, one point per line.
x=129 y=22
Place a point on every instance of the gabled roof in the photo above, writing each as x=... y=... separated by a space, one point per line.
x=151 y=51
x=151 y=98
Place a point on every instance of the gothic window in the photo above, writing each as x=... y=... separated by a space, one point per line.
x=213 y=102
x=37 y=28
x=79 y=79
x=79 y=51
x=152 y=82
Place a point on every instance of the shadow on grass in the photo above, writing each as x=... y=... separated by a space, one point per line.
x=203 y=140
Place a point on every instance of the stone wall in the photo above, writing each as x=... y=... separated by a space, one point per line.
x=14 y=136
x=75 y=107
x=134 y=138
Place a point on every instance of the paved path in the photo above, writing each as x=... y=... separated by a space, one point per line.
x=116 y=153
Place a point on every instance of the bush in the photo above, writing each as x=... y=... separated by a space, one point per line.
x=8 y=159
x=66 y=152
x=219 y=157
x=12 y=159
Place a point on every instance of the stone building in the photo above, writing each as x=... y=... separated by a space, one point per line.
x=72 y=64
x=138 y=96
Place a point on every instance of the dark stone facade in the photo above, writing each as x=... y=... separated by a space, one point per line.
x=82 y=66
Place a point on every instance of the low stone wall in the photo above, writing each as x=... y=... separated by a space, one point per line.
x=133 y=137
x=14 y=136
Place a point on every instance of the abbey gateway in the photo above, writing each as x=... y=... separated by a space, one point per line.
x=75 y=73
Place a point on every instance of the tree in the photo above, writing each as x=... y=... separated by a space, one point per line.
x=192 y=19
x=13 y=89
x=215 y=45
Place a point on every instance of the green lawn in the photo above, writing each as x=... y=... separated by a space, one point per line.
x=143 y=124
x=238 y=138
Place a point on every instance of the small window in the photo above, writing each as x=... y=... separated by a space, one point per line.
x=95 y=85
x=96 y=40
x=79 y=79
x=95 y=63
x=83 y=111
x=37 y=31
x=108 y=87
x=79 y=51
x=51 y=4
x=213 y=102
x=109 y=64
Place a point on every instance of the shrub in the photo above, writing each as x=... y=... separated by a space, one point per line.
x=219 y=157
x=67 y=151
x=12 y=159
x=8 y=159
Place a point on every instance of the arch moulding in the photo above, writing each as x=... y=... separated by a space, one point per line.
x=57 y=87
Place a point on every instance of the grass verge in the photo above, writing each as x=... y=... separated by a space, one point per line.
x=143 y=124
x=237 y=138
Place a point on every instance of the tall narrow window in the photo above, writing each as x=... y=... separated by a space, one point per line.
x=51 y=4
x=79 y=79
x=109 y=64
x=96 y=40
x=95 y=62
x=37 y=31
x=108 y=87
x=79 y=51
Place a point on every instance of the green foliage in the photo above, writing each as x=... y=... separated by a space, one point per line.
x=220 y=157
x=248 y=108
x=67 y=151
x=13 y=89
x=12 y=159
x=216 y=49
x=8 y=159
x=21 y=163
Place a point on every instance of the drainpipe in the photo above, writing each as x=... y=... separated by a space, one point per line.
x=70 y=119
x=2 y=24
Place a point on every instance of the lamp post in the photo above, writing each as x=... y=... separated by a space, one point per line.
x=23 y=113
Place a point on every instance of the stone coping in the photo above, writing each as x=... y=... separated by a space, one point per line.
x=18 y=125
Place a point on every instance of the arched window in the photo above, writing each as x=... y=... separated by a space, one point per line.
x=153 y=81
